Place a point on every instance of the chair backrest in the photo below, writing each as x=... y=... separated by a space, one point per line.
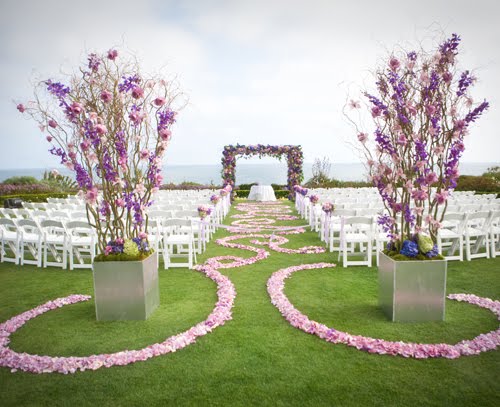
x=28 y=225
x=78 y=215
x=344 y=212
x=59 y=215
x=8 y=224
x=76 y=228
x=185 y=214
x=50 y=226
x=480 y=219
x=172 y=225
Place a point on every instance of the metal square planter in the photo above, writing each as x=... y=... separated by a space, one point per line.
x=126 y=290
x=412 y=291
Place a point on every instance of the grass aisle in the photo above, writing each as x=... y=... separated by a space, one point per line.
x=257 y=358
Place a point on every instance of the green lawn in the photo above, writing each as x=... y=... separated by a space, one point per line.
x=257 y=358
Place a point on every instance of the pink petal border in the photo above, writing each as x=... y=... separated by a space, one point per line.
x=481 y=343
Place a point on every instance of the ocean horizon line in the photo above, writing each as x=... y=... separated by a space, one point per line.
x=246 y=173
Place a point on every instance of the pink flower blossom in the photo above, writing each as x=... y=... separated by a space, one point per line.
x=106 y=96
x=101 y=129
x=137 y=92
x=430 y=110
x=160 y=101
x=362 y=137
x=442 y=197
x=112 y=54
x=21 y=108
x=91 y=196
x=52 y=123
x=144 y=154
x=120 y=202
x=402 y=141
x=107 y=250
x=394 y=64
x=431 y=178
x=165 y=134
x=69 y=165
x=376 y=111
x=354 y=104
x=447 y=77
x=49 y=138
x=143 y=235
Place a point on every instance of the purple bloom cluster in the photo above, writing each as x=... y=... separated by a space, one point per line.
x=57 y=89
x=94 y=61
x=384 y=142
x=82 y=177
x=466 y=79
x=129 y=83
x=478 y=111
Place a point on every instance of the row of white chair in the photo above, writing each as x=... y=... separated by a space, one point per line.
x=476 y=234
x=74 y=239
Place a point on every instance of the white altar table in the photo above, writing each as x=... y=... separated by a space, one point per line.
x=261 y=193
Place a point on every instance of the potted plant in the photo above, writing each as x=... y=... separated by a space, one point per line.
x=110 y=124
x=421 y=110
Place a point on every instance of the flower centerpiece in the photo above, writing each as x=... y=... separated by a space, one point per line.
x=421 y=110
x=111 y=125
x=328 y=208
x=204 y=211
x=314 y=199
x=215 y=199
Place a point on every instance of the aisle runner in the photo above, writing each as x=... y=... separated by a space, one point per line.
x=251 y=221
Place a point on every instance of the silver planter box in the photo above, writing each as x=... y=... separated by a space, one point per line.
x=126 y=290
x=412 y=291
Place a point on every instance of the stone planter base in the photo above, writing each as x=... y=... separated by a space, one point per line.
x=412 y=291
x=126 y=290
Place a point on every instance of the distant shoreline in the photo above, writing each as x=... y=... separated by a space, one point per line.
x=266 y=173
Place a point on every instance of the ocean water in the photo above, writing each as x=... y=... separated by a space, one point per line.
x=274 y=173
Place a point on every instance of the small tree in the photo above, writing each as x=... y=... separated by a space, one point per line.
x=421 y=111
x=109 y=124
x=320 y=171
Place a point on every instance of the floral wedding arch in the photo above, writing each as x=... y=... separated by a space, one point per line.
x=293 y=155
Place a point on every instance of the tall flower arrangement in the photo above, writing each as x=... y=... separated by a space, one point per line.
x=111 y=125
x=293 y=154
x=421 y=112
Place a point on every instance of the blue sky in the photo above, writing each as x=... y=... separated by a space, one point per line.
x=273 y=72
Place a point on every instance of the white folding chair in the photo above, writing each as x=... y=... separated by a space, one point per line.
x=155 y=239
x=451 y=235
x=55 y=242
x=333 y=227
x=356 y=231
x=178 y=243
x=495 y=233
x=30 y=239
x=9 y=238
x=477 y=233
x=81 y=244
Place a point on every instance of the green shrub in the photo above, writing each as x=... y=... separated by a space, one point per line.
x=243 y=193
x=479 y=183
x=20 y=180
x=58 y=182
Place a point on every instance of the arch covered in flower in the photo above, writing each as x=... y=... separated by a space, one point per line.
x=293 y=154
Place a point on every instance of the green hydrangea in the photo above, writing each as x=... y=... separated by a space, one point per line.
x=130 y=248
x=425 y=243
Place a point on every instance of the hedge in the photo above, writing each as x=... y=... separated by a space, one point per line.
x=34 y=197
x=243 y=193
